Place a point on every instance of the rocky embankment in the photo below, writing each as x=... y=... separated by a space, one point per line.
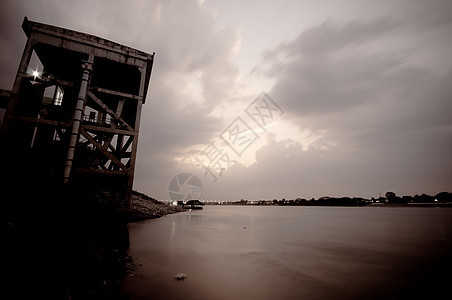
x=144 y=207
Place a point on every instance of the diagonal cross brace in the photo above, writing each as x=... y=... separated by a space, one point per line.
x=114 y=125
x=108 y=110
x=103 y=150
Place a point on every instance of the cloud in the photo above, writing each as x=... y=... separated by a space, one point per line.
x=328 y=37
x=386 y=114
x=348 y=71
x=366 y=95
x=193 y=70
x=193 y=73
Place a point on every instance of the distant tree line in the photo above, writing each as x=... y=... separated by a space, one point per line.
x=389 y=198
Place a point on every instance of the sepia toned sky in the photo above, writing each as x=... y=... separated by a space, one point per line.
x=356 y=95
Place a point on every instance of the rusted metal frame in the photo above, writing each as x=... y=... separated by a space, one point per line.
x=95 y=161
x=98 y=162
x=41 y=121
x=102 y=161
x=129 y=162
x=103 y=171
x=119 y=142
x=116 y=93
x=142 y=82
x=60 y=133
x=133 y=156
x=46 y=81
x=64 y=82
x=118 y=153
x=83 y=143
x=111 y=166
x=117 y=150
x=102 y=149
x=121 y=152
x=107 y=141
x=93 y=128
x=111 y=147
x=114 y=125
x=108 y=130
x=126 y=145
x=108 y=110
x=58 y=125
x=126 y=154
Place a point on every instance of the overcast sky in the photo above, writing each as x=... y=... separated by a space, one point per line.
x=357 y=93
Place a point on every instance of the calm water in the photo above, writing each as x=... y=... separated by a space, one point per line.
x=236 y=252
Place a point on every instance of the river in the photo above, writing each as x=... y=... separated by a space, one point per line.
x=262 y=252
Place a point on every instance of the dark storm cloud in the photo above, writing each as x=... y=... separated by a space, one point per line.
x=329 y=37
x=362 y=84
x=337 y=88
x=186 y=43
x=317 y=75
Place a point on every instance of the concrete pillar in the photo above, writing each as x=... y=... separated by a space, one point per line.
x=78 y=115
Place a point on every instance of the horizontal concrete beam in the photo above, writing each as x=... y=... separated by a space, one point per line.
x=83 y=38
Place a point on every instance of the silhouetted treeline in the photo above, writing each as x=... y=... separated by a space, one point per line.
x=389 y=198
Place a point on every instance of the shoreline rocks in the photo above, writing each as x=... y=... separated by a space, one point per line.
x=144 y=207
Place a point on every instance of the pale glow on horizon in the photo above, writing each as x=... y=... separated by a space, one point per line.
x=282 y=131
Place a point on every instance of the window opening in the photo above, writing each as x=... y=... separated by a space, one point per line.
x=58 y=97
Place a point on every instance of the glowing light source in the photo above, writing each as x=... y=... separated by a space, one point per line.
x=35 y=74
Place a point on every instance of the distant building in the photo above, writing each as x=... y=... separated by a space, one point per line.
x=192 y=204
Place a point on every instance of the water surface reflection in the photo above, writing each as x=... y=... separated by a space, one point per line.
x=235 y=252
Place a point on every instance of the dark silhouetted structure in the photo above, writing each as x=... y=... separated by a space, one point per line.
x=192 y=204
x=75 y=120
x=68 y=144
